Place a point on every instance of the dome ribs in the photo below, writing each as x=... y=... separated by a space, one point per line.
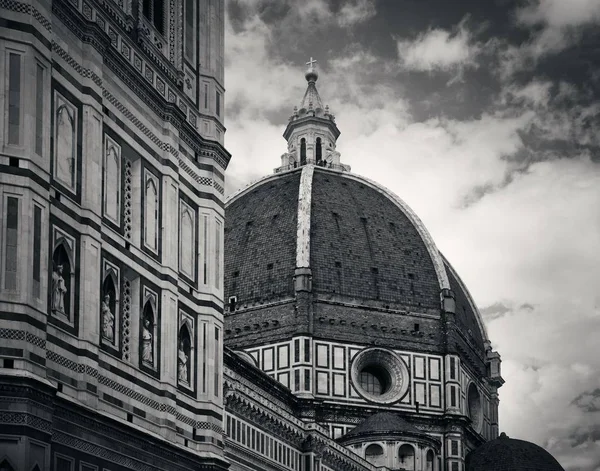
x=261 y=233
x=364 y=247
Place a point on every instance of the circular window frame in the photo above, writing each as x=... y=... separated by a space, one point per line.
x=393 y=365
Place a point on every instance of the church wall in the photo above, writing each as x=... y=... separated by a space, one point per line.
x=322 y=369
x=104 y=144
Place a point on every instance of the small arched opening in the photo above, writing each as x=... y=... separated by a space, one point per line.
x=6 y=466
x=318 y=151
x=61 y=280
x=303 y=151
x=109 y=307
x=148 y=323
x=429 y=460
x=406 y=457
x=374 y=455
x=184 y=355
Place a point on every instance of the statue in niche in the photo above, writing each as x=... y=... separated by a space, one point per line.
x=59 y=289
x=147 y=354
x=182 y=364
x=108 y=320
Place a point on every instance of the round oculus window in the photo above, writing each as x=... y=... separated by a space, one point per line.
x=379 y=375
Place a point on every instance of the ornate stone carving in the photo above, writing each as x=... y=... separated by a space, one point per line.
x=108 y=320
x=182 y=365
x=147 y=337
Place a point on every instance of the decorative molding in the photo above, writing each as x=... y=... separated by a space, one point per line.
x=21 y=7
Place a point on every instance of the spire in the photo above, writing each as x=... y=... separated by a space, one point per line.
x=311 y=133
x=311 y=100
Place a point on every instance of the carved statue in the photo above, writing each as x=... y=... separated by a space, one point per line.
x=59 y=288
x=108 y=320
x=147 y=354
x=182 y=368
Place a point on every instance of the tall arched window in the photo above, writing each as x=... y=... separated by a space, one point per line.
x=186 y=242
x=319 y=152
x=154 y=11
x=374 y=455
x=302 y=151
x=151 y=214
x=185 y=355
x=65 y=146
x=109 y=308
x=148 y=331
x=429 y=459
x=406 y=456
x=112 y=181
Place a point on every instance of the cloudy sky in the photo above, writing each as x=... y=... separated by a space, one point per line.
x=484 y=116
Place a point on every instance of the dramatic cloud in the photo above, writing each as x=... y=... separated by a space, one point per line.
x=352 y=13
x=560 y=13
x=555 y=26
x=438 y=49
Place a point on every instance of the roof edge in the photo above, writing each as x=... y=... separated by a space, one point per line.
x=462 y=285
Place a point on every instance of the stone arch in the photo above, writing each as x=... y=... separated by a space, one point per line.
x=187 y=241
x=406 y=457
x=112 y=186
x=318 y=150
x=148 y=339
x=151 y=214
x=63 y=266
x=429 y=460
x=303 y=151
x=66 y=143
x=186 y=346
x=110 y=301
x=374 y=454
x=5 y=465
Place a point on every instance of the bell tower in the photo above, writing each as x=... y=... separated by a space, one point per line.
x=311 y=132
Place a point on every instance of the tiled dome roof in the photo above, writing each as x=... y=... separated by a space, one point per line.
x=365 y=249
x=509 y=454
x=384 y=423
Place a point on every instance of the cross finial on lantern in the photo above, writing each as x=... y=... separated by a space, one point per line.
x=311 y=63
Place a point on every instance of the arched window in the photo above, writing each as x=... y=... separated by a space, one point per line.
x=185 y=355
x=406 y=456
x=319 y=151
x=374 y=455
x=6 y=466
x=112 y=182
x=151 y=214
x=154 y=11
x=65 y=146
x=302 y=151
x=61 y=280
x=148 y=332
x=429 y=460
x=109 y=308
x=186 y=242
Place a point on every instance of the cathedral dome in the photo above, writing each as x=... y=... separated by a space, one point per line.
x=373 y=269
x=509 y=454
